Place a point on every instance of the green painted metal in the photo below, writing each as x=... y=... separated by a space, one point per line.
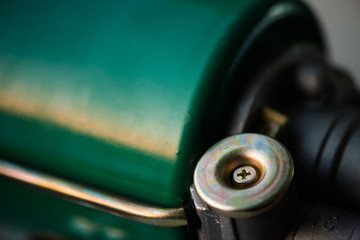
x=44 y=215
x=126 y=95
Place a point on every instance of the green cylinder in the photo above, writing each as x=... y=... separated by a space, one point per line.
x=125 y=96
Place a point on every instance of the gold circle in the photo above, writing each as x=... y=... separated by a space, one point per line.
x=218 y=191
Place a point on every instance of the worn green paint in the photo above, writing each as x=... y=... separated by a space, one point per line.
x=125 y=95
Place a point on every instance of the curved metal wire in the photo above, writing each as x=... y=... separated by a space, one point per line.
x=165 y=217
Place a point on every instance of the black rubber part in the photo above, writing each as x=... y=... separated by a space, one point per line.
x=192 y=218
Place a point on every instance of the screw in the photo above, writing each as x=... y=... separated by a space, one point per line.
x=244 y=174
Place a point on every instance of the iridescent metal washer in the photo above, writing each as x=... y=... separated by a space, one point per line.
x=215 y=174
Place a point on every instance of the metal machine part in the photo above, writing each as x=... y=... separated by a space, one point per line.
x=328 y=153
x=266 y=160
x=104 y=110
x=323 y=101
x=286 y=220
x=327 y=223
x=241 y=211
x=245 y=175
x=140 y=212
x=213 y=226
x=126 y=97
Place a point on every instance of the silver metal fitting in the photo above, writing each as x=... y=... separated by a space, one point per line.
x=243 y=175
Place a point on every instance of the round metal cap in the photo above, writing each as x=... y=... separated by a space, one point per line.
x=243 y=175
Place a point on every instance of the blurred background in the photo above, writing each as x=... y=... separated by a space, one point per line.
x=341 y=23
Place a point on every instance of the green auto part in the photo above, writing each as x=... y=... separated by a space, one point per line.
x=124 y=96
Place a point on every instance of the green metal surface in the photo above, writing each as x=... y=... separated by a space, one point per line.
x=45 y=216
x=125 y=95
